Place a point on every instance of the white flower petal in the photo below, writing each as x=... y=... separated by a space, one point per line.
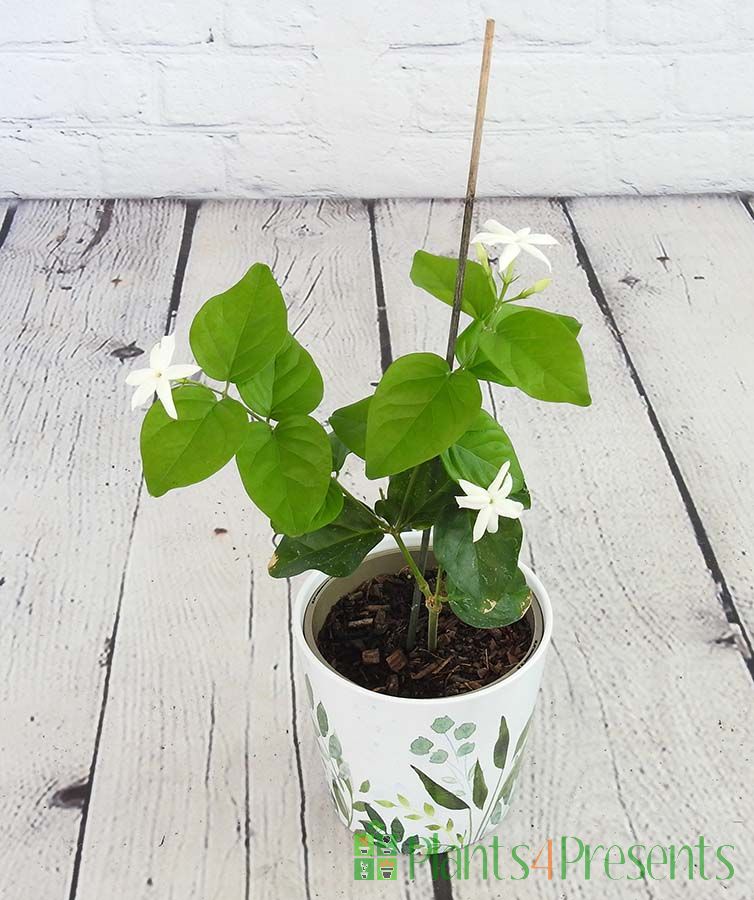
x=139 y=376
x=162 y=353
x=498 y=479
x=497 y=227
x=491 y=238
x=522 y=232
x=537 y=254
x=166 y=396
x=541 y=239
x=480 y=526
x=472 y=502
x=507 y=256
x=143 y=393
x=510 y=509
x=492 y=525
x=173 y=372
x=473 y=490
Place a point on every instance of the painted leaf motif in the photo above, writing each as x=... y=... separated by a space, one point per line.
x=500 y=752
x=442 y=724
x=497 y=813
x=205 y=436
x=324 y=725
x=386 y=804
x=464 y=731
x=439 y=756
x=360 y=806
x=237 y=333
x=429 y=810
x=419 y=409
x=397 y=831
x=480 y=790
x=442 y=796
x=336 y=751
x=510 y=781
x=410 y=844
x=522 y=738
x=465 y=749
x=309 y=691
x=437 y=276
x=420 y=746
x=364 y=787
x=339 y=799
x=375 y=817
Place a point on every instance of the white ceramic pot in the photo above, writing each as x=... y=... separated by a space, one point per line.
x=438 y=768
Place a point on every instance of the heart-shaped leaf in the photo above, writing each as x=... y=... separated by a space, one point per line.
x=538 y=354
x=237 y=333
x=439 y=794
x=415 y=498
x=437 y=276
x=479 y=453
x=286 y=470
x=510 y=606
x=480 y=571
x=289 y=385
x=204 y=437
x=350 y=425
x=480 y=791
x=419 y=409
x=337 y=549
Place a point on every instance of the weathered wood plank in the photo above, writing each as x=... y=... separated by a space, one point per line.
x=209 y=747
x=80 y=281
x=646 y=710
x=677 y=275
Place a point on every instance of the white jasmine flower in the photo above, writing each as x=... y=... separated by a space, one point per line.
x=514 y=242
x=492 y=502
x=157 y=378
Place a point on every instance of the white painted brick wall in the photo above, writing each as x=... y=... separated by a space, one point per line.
x=224 y=98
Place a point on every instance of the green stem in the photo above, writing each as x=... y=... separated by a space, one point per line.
x=434 y=615
x=415 y=570
x=416 y=598
x=362 y=504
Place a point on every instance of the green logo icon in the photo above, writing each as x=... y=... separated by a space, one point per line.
x=363 y=869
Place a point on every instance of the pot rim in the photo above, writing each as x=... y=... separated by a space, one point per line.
x=316 y=579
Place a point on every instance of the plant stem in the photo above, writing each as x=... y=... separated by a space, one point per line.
x=434 y=615
x=413 y=622
x=415 y=570
x=361 y=503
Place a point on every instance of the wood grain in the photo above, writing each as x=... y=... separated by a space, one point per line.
x=677 y=275
x=644 y=728
x=209 y=746
x=80 y=281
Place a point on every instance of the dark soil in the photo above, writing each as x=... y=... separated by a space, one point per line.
x=364 y=638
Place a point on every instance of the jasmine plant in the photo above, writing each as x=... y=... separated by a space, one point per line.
x=450 y=465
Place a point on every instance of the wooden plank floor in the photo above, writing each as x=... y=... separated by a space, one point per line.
x=153 y=740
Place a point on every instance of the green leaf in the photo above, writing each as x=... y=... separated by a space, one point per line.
x=480 y=571
x=521 y=742
x=510 y=781
x=286 y=471
x=359 y=806
x=465 y=749
x=539 y=355
x=429 y=810
x=480 y=452
x=204 y=437
x=464 y=731
x=375 y=817
x=480 y=787
x=339 y=451
x=470 y=355
x=339 y=799
x=237 y=333
x=403 y=800
x=497 y=814
x=419 y=409
x=510 y=606
x=439 y=756
x=350 y=425
x=420 y=746
x=442 y=724
x=288 y=385
x=397 y=831
x=328 y=512
x=439 y=794
x=437 y=276
x=334 y=747
x=410 y=844
x=364 y=787
x=416 y=497
x=337 y=549
x=324 y=725
x=387 y=804
x=500 y=752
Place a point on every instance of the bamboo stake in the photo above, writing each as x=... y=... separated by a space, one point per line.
x=463 y=252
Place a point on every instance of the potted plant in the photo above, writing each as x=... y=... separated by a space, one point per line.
x=421 y=670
